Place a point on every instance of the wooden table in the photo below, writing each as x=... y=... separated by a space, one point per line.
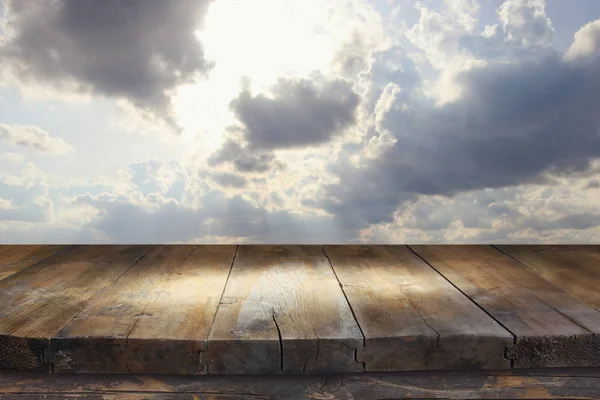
x=298 y=313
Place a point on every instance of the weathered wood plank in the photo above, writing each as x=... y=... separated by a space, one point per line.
x=411 y=317
x=552 y=328
x=14 y=258
x=576 y=269
x=154 y=319
x=283 y=311
x=39 y=300
x=506 y=384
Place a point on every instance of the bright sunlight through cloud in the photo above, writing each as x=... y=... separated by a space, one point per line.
x=262 y=40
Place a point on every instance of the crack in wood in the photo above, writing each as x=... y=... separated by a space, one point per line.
x=463 y=293
x=280 y=342
x=364 y=341
x=318 y=349
x=305 y=364
x=437 y=341
x=242 y=361
x=202 y=366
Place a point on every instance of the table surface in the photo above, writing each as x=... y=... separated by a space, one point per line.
x=295 y=309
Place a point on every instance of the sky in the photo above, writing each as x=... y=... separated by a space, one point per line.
x=299 y=121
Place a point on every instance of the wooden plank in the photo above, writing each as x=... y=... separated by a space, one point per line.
x=283 y=311
x=552 y=328
x=39 y=300
x=411 y=317
x=15 y=258
x=506 y=384
x=576 y=269
x=154 y=319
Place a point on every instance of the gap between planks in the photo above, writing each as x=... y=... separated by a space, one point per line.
x=364 y=364
x=237 y=248
x=279 y=299
x=412 y=319
x=506 y=351
x=553 y=327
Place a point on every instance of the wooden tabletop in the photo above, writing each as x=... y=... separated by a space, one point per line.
x=261 y=309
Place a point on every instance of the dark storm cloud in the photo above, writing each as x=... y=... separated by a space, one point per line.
x=515 y=123
x=132 y=49
x=243 y=159
x=301 y=113
x=227 y=179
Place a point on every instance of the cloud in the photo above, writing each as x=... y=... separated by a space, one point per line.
x=569 y=222
x=298 y=113
x=12 y=158
x=514 y=123
x=527 y=213
x=49 y=233
x=353 y=56
x=243 y=159
x=137 y=50
x=450 y=41
x=593 y=184
x=301 y=112
x=35 y=138
x=227 y=179
x=438 y=32
x=160 y=177
x=361 y=150
x=586 y=44
x=526 y=23
x=24 y=196
x=147 y=209
x=133 y=218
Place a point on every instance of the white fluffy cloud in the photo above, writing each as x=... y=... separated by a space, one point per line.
x=525 y=22
x=35 y=138
x=586 y=44
x=24 y=195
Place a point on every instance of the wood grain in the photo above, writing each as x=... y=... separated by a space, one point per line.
x=412 y=318
x=552 y=327
x=93 y=309
x=575 y=269
x=506 y=384
x=14 y=258
x=283 y=311
x=154 y=319
x=39 y=300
